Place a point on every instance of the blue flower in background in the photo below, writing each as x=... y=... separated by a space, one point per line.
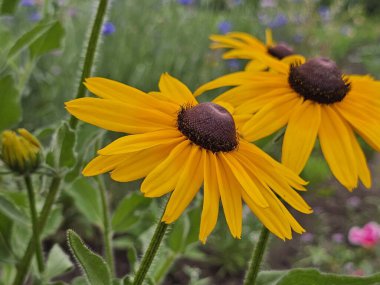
x=28 y=3
x=224 y=27
x=108 y=28
x=35 y=16
x=234 y=64
x=279 y=21
x=324 y=13
x=185 y=2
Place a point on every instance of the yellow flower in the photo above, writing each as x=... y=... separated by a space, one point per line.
x=178 y=144
x=313 y=98
x=20 y=152
x=245 y=46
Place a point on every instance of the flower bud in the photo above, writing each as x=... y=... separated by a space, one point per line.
x=20 y=151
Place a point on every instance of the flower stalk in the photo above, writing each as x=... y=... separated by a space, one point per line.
x=151 y=252
x=257 y=257
x=36 y=228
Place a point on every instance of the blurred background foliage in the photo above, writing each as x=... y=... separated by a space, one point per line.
x=41 y=46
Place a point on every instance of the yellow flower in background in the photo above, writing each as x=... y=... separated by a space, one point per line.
x=245 y=46
x=178 y=144
x=20 y=151
x=314 y=99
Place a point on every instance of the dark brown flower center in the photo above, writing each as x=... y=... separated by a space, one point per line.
x=319 y=80
x=209 y=126
x=280 y=51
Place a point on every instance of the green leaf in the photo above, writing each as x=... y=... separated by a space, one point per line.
x=94 y=267
x=87 y=200
x=30 y=37
x=9 y=210
x=8 y=6
x=53 y=222
x=62 y=154
x=58 y=262
x=10 y=107
x=5 y=238
x=177 y=237
x=128 y=212
x=48 y=41
x=313 y=277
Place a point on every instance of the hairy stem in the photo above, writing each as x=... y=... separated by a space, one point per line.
x=257 y=257
x=151 y=252
x=90 y=53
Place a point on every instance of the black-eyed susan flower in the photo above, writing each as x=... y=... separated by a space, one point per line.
x=314 y=99
x=20 y=151
x=244 y=46
x=178 y=144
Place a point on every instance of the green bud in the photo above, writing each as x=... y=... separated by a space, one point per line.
x=20 y=151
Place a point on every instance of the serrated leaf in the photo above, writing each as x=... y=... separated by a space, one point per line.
x=87 y=200
x=48 y=41
x=10 y=107
x=94 y=267
x=30 y=37
x=8 y=6
x=5 y=238
x=313 y=277
x=9 y=210
x=128 y=211
x=58 y=262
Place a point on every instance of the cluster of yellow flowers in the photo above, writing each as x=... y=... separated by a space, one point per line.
x=179 y=144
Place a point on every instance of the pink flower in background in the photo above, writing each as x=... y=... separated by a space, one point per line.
x=367 y=236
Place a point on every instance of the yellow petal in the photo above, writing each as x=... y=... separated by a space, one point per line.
x=238 y=171
x=175 y=90
x=272 y=217
x=133 y=143
x=139 y=164
x=232 y=79
x=270 y=118
x=268 y=37
x=363 y=170
x=290 y=176
x=270 y=61
x=294 y=59
x=164 y=177
x=300 y=135
x=231 y=199
x=271 y=177
x=188 y=185
x=118 y=116
x=258 y=101
x=363 y=120
x=110 y=89
x=337 y=148
x=102 y=164
x=255 y=65
x=225 y=41
x=211 y=197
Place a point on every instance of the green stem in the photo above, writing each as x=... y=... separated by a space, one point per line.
x=24 y=264
x=107 y=231
x=257 y=257
x=90 y=53
x=151 y=252
x=36 y=229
